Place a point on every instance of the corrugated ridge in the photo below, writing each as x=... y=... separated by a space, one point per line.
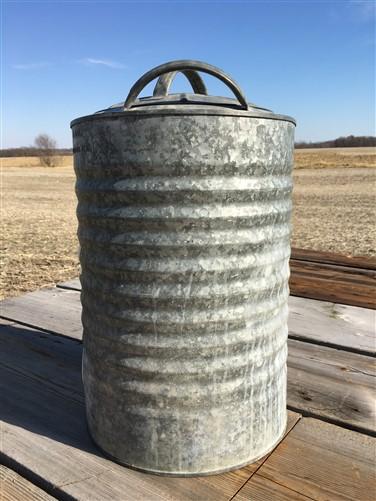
x=221 y=384
x=184 y=265
x=148 y=183
x=248 y=222
x=164 y=367
x=224 y=400
x=224 y=385
x=148 y=359
x=262 y=235
x=210 y=289
x=201 y=211
x=204 y=334
x=213 y=387
x=188 y=302
x=129 y=253
x=252 y=332
x=170 y=168
x=119 y=199
x=156 y=190
x=264 y=264
x=188 y=315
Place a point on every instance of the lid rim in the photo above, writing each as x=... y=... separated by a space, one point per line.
x=209 y=111
x=184 y=100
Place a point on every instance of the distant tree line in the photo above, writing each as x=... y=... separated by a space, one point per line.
x=340 y=142
x=45 y=147
x=32 y=151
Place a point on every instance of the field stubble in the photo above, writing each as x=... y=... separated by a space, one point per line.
x=334 y=210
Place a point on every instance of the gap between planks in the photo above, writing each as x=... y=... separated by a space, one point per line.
x=316 y=461
x=13 y=487
x=266 y=457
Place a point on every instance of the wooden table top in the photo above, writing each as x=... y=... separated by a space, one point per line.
x=328 y=452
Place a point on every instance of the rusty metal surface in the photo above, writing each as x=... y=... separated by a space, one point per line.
x=184 y=226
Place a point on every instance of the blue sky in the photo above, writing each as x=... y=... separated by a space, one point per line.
x=312 y=60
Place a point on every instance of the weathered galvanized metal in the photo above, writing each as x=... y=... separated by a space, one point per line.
x=184 y=225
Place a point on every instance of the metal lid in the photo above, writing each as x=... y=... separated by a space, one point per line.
x=199 y=103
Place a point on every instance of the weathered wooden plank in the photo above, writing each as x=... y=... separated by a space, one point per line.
x=13 y=487
x=58 y=310
x=319 y=461
x=259 y=488
x=74 y=284
x=46 y=346
x=352 y=289
x=333 y=277
x=44 y=430
x=332 y=273
x=334 y=385
x=332 y=258
x=333 y=324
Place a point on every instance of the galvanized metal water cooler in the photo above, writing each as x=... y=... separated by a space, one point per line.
x=184 y=206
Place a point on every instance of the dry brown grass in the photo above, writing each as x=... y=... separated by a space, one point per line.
x=334 y=210
x=316 y=158
x=61 y=161
x=39 y=244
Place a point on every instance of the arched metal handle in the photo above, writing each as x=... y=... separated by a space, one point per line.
x=164 y=82
x=184 y=65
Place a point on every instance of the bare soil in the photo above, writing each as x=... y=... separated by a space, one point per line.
x=39 y=244
x=334 y=210
x=318 y=158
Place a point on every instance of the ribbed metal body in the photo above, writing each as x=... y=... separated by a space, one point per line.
x=184 y=227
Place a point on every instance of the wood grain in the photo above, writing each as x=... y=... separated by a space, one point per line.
x=44 y=429
x=53 y=309
x=365 y=262
x=13 y=487
x=333 y=277
x=333 y=324
x=318 y=461
x=259 y=488
x=333 y=385
x=332 y=283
